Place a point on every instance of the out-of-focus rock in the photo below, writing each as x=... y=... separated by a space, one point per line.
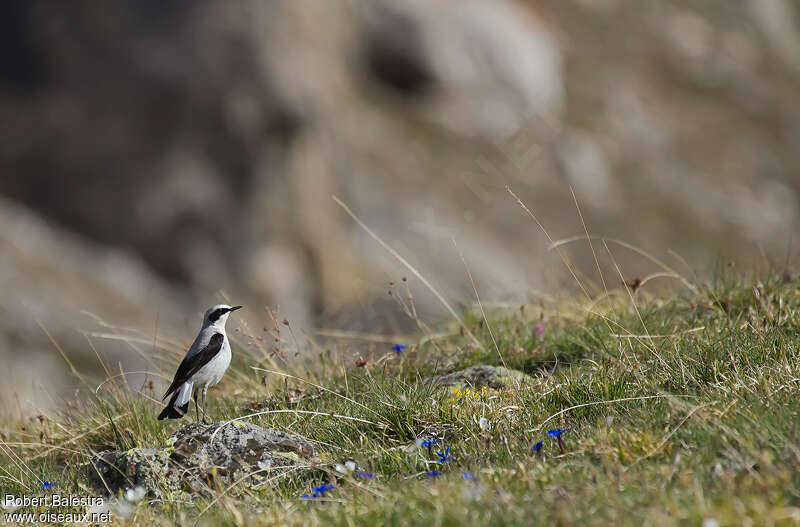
x=485 y=69
x=220 y=131
x=59 y=282
x=778 y=20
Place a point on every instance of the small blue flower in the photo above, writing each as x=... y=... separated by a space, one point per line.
x=433 y=473
x=318 y=492
x=444 y=458
x=429 y=442
x=365 y=475
x=556 y=432
x=469 y=476
x=399 y=348
x=322 y=489
x=48 y=484
x=538 y=446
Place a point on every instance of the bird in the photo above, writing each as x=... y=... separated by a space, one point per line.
x=203 y=366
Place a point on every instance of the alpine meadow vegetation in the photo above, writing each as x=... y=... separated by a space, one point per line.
x=629 y=409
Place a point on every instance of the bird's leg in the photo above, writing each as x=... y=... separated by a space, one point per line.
x=205 y=389
x=196 y=411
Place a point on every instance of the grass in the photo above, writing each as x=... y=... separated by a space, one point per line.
x=679 y=411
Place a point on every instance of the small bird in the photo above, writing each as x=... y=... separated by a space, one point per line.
x=204 y=365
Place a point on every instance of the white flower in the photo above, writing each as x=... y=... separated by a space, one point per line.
x=135 y=495
x=349 y=466
x=483 y=423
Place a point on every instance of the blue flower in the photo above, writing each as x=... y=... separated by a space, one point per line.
x=469 y=476
x=433 y=473
x=48 y=484
x=318 y=492
x=399 y=348
x=538 y=446
x=444 y=458
x=428 y=443
x=365 y=475
x=322 y=489
x=556 y=432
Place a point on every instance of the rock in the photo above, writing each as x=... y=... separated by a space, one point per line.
x=148 y=467
x=199 y=452
x=484 y=70
x=483 y=375
x=236 y=445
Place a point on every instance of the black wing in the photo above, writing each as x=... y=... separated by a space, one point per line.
x=192 y=365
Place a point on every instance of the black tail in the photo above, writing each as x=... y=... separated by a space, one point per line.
x=171 y=411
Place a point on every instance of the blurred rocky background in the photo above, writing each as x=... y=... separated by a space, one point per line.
x=157 y=156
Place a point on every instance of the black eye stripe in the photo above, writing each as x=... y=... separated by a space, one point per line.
x=214 y=316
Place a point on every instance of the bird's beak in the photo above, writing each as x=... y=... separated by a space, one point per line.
x=234 y=308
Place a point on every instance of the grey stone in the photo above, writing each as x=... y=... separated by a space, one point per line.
x=483 y=375
x=148 y=467
x=198 y=453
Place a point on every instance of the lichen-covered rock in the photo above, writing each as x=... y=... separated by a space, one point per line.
x=483 y=375
x=236 y=446
x=146 y=467
x=199 y=452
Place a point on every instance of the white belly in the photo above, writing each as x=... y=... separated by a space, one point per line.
x=212 y=373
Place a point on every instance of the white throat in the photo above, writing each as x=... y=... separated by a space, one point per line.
x=219 y=324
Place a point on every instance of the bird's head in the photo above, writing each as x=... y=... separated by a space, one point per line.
x=218 y=315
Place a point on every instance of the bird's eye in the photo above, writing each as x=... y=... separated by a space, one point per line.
x=214 y=316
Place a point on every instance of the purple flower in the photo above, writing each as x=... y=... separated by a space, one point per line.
x=539 y=329
x=365 y=475
x=537 y=447
x=469 y=476
x=399 y=348
x=444 y=458
x=556 y=432
x=433 y=473
x=48 y=484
